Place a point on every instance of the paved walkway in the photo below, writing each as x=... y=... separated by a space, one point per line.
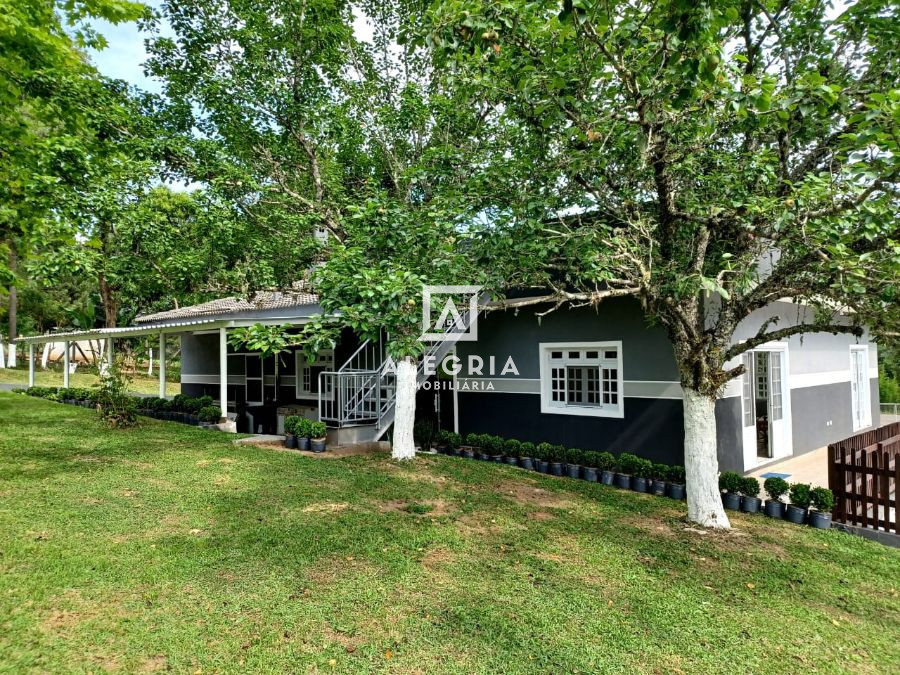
x=811 y=467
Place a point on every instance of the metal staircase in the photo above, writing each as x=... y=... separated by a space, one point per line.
x=361 y=395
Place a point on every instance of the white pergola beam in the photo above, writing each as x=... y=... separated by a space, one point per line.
x=223 y=371
x=162 y=365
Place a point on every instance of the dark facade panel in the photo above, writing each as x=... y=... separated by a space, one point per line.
x=814 y=407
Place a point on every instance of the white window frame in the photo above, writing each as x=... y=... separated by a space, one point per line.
x=866 y=392
x=302 y=365
x=556 y=408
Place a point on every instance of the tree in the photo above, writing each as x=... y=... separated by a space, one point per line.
x=711 y=157
x=48 y=97
x=329 y=143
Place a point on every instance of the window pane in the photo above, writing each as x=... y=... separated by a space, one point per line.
x=556 y=355
x=593 y=355
x=610 y=354
x=558 y=384
x=575 y=377
x=574 y=355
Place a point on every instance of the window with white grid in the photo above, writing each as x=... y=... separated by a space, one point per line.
x=582 y=379
x=308 y=373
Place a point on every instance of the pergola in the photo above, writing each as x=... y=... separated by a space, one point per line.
x=162 y=329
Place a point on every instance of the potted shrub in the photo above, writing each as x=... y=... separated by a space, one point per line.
x=606 y=463
x=625 y=466
x=302 y=431
x=542 y=457
x=730 y=483
x=290 y=431
x=641 y=472
x=317 y=433
x=800 y=499
x=473 y=444
x=511 y=451
x=209 y=415
x=494 y=447
x=775 y=487
x=589 y=462
x=675 y=482
x=423 y=434
x=526 y=456
x=822 y=502
x=658 y=484
x=454 y=440
x=574 y=460
x=751 y=501
x=556 y=458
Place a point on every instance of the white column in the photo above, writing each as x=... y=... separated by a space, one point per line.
x=110 y=358
x=162 y=365
x=2 y=355
x=30 y=364
x=223 y=371
x=11 y=360
x=150 y=365
x=45 y=355
x=67 y=348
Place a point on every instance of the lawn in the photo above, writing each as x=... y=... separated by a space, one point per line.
x=170 y=547
x=53 y=377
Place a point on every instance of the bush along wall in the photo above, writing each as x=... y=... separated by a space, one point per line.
x=627 y=471
x=631 y=472
x=181 y=408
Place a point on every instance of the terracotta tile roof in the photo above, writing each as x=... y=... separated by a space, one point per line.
x=263 y=300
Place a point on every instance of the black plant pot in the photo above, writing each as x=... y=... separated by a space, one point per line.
x=483 y=456
x=455 y=452
x=675 y=490
x=774 y=509
x=302 y=443
x=526 y=463
x=820 y=520
x=193 y=419
x=542 y=466
x=468 y=454
x=795 y=514
x=556 y=468
x=750 y=504
x=623 y=480
x=497 y=459
x=658 y=488
x=638 y=484
x=590 y=474
x=731 y=501
x=512 y=461
x=607 y=477
x=290 y=441
x=317 y=444
x=573 y=470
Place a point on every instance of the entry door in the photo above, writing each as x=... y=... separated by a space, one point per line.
x=748 y=401
x=779 y=420
x=859 y=387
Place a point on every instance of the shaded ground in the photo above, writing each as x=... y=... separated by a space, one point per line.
x=169 y=547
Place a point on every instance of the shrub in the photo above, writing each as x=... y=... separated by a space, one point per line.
x=303 y=430
x=589 y=459
x=750 y=487
x=423 y=433
x=730 y=481
x=492 y=445
x=527 y=449
x=575 y=456
x=454 y=440
x=557 y=453
x=775 y=487
x=542 y=451
x=473 y=440
x=512 y=448
x=660 y=471
x=822 y=499
x=643 y=468
x=205 y=401
x=317 y=429
x=115 y=407
x=676 y=474
x=291 y=424
x=627 y=463
x=801 y=495
x=210 y=413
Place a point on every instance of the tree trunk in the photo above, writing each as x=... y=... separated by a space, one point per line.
x=701 y=461
x=405 y=409
x=108 y=298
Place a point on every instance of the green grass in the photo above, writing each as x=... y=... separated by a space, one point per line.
x=169 y=547
x=53 y=377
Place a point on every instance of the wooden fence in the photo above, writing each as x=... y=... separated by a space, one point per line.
x=864 y=474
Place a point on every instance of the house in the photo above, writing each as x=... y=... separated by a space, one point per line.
x=595 y=378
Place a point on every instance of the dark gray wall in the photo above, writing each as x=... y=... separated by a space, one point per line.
x=730 y=434
x=813 y=408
